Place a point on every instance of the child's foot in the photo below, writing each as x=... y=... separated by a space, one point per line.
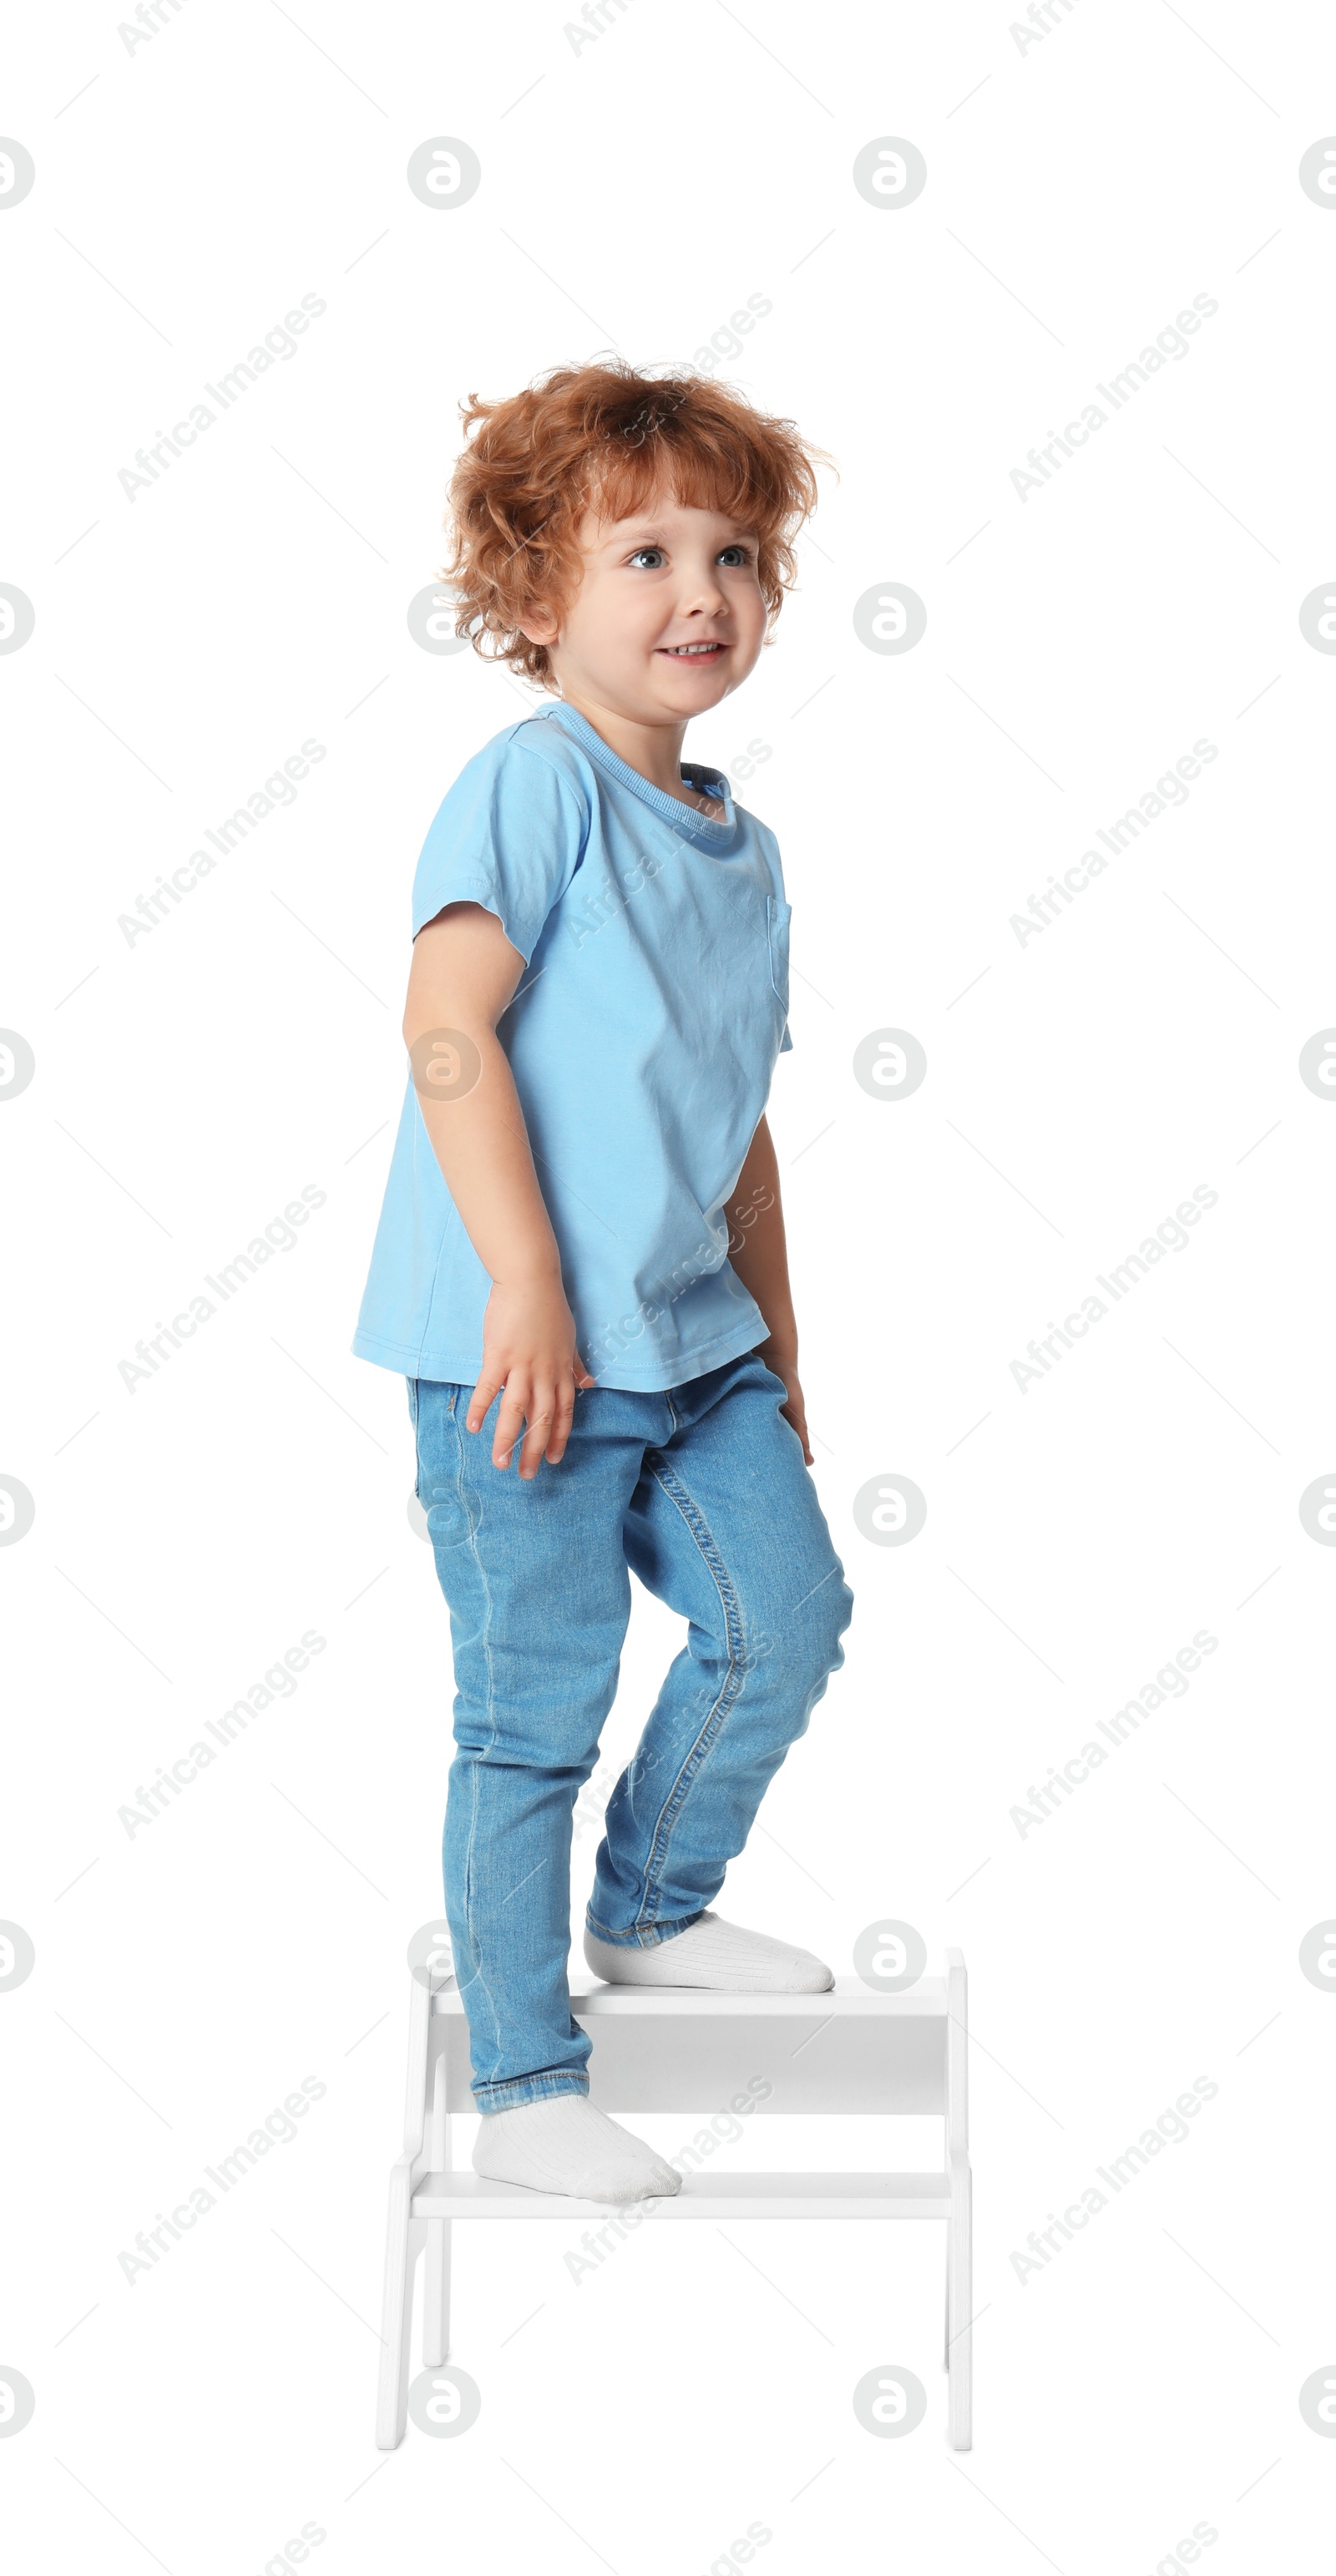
x=562 y=2143
x=711 y=1953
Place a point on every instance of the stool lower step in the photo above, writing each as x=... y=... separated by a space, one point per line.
x=847 y=2051
x=703 y=2195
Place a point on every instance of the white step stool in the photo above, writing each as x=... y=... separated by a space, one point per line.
x=683 y=2049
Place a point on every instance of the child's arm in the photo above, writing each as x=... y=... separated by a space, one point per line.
x=758 y=1253
x=464 y=972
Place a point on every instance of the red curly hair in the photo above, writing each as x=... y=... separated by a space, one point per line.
x=602 y=436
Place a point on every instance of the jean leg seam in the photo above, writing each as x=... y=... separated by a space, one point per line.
x=697 y=1524
x=482 y=1755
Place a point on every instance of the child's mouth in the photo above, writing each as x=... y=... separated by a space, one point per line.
x=692 y=652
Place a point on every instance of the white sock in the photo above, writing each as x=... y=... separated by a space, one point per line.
x=562 y=2143
x=711 y=1953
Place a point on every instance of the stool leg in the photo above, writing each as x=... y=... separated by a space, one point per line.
x=436 y=2287
x=436 y=2294
x=403 y=2239
x=959 y=2327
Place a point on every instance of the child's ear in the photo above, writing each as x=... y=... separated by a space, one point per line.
x=540 y=626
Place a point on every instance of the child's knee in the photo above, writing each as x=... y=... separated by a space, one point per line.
x=823 y=1619
x=833 y=1605
x=808 y=1641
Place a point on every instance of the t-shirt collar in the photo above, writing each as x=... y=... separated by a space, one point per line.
x=686 y=819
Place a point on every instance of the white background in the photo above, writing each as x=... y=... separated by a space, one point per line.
x=634 y=193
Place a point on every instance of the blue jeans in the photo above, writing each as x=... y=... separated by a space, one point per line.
x=702 y=1491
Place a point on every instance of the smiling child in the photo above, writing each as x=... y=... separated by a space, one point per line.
x=580 y=1265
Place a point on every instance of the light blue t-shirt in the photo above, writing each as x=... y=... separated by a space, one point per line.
x=642 y=1038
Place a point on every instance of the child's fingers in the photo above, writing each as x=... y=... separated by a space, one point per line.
x=488 y=1387
x=541 y=1410
x=561 y=1423
x=795 y=1416
x=510 y=1419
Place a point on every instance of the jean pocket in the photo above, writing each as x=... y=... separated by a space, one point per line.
x=778 y=915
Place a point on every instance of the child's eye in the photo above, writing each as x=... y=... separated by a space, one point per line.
x=741 y=552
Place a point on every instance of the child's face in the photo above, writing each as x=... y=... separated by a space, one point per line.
x=668 y=576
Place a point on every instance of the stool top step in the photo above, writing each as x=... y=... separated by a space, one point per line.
x=847 y=1999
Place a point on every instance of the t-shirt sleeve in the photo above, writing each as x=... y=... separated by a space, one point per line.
x=508 y=835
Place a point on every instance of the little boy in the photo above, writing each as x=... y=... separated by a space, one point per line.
x=580 y=1262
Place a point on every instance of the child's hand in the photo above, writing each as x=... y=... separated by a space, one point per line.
x=794 y=1410
x=529 y=1349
